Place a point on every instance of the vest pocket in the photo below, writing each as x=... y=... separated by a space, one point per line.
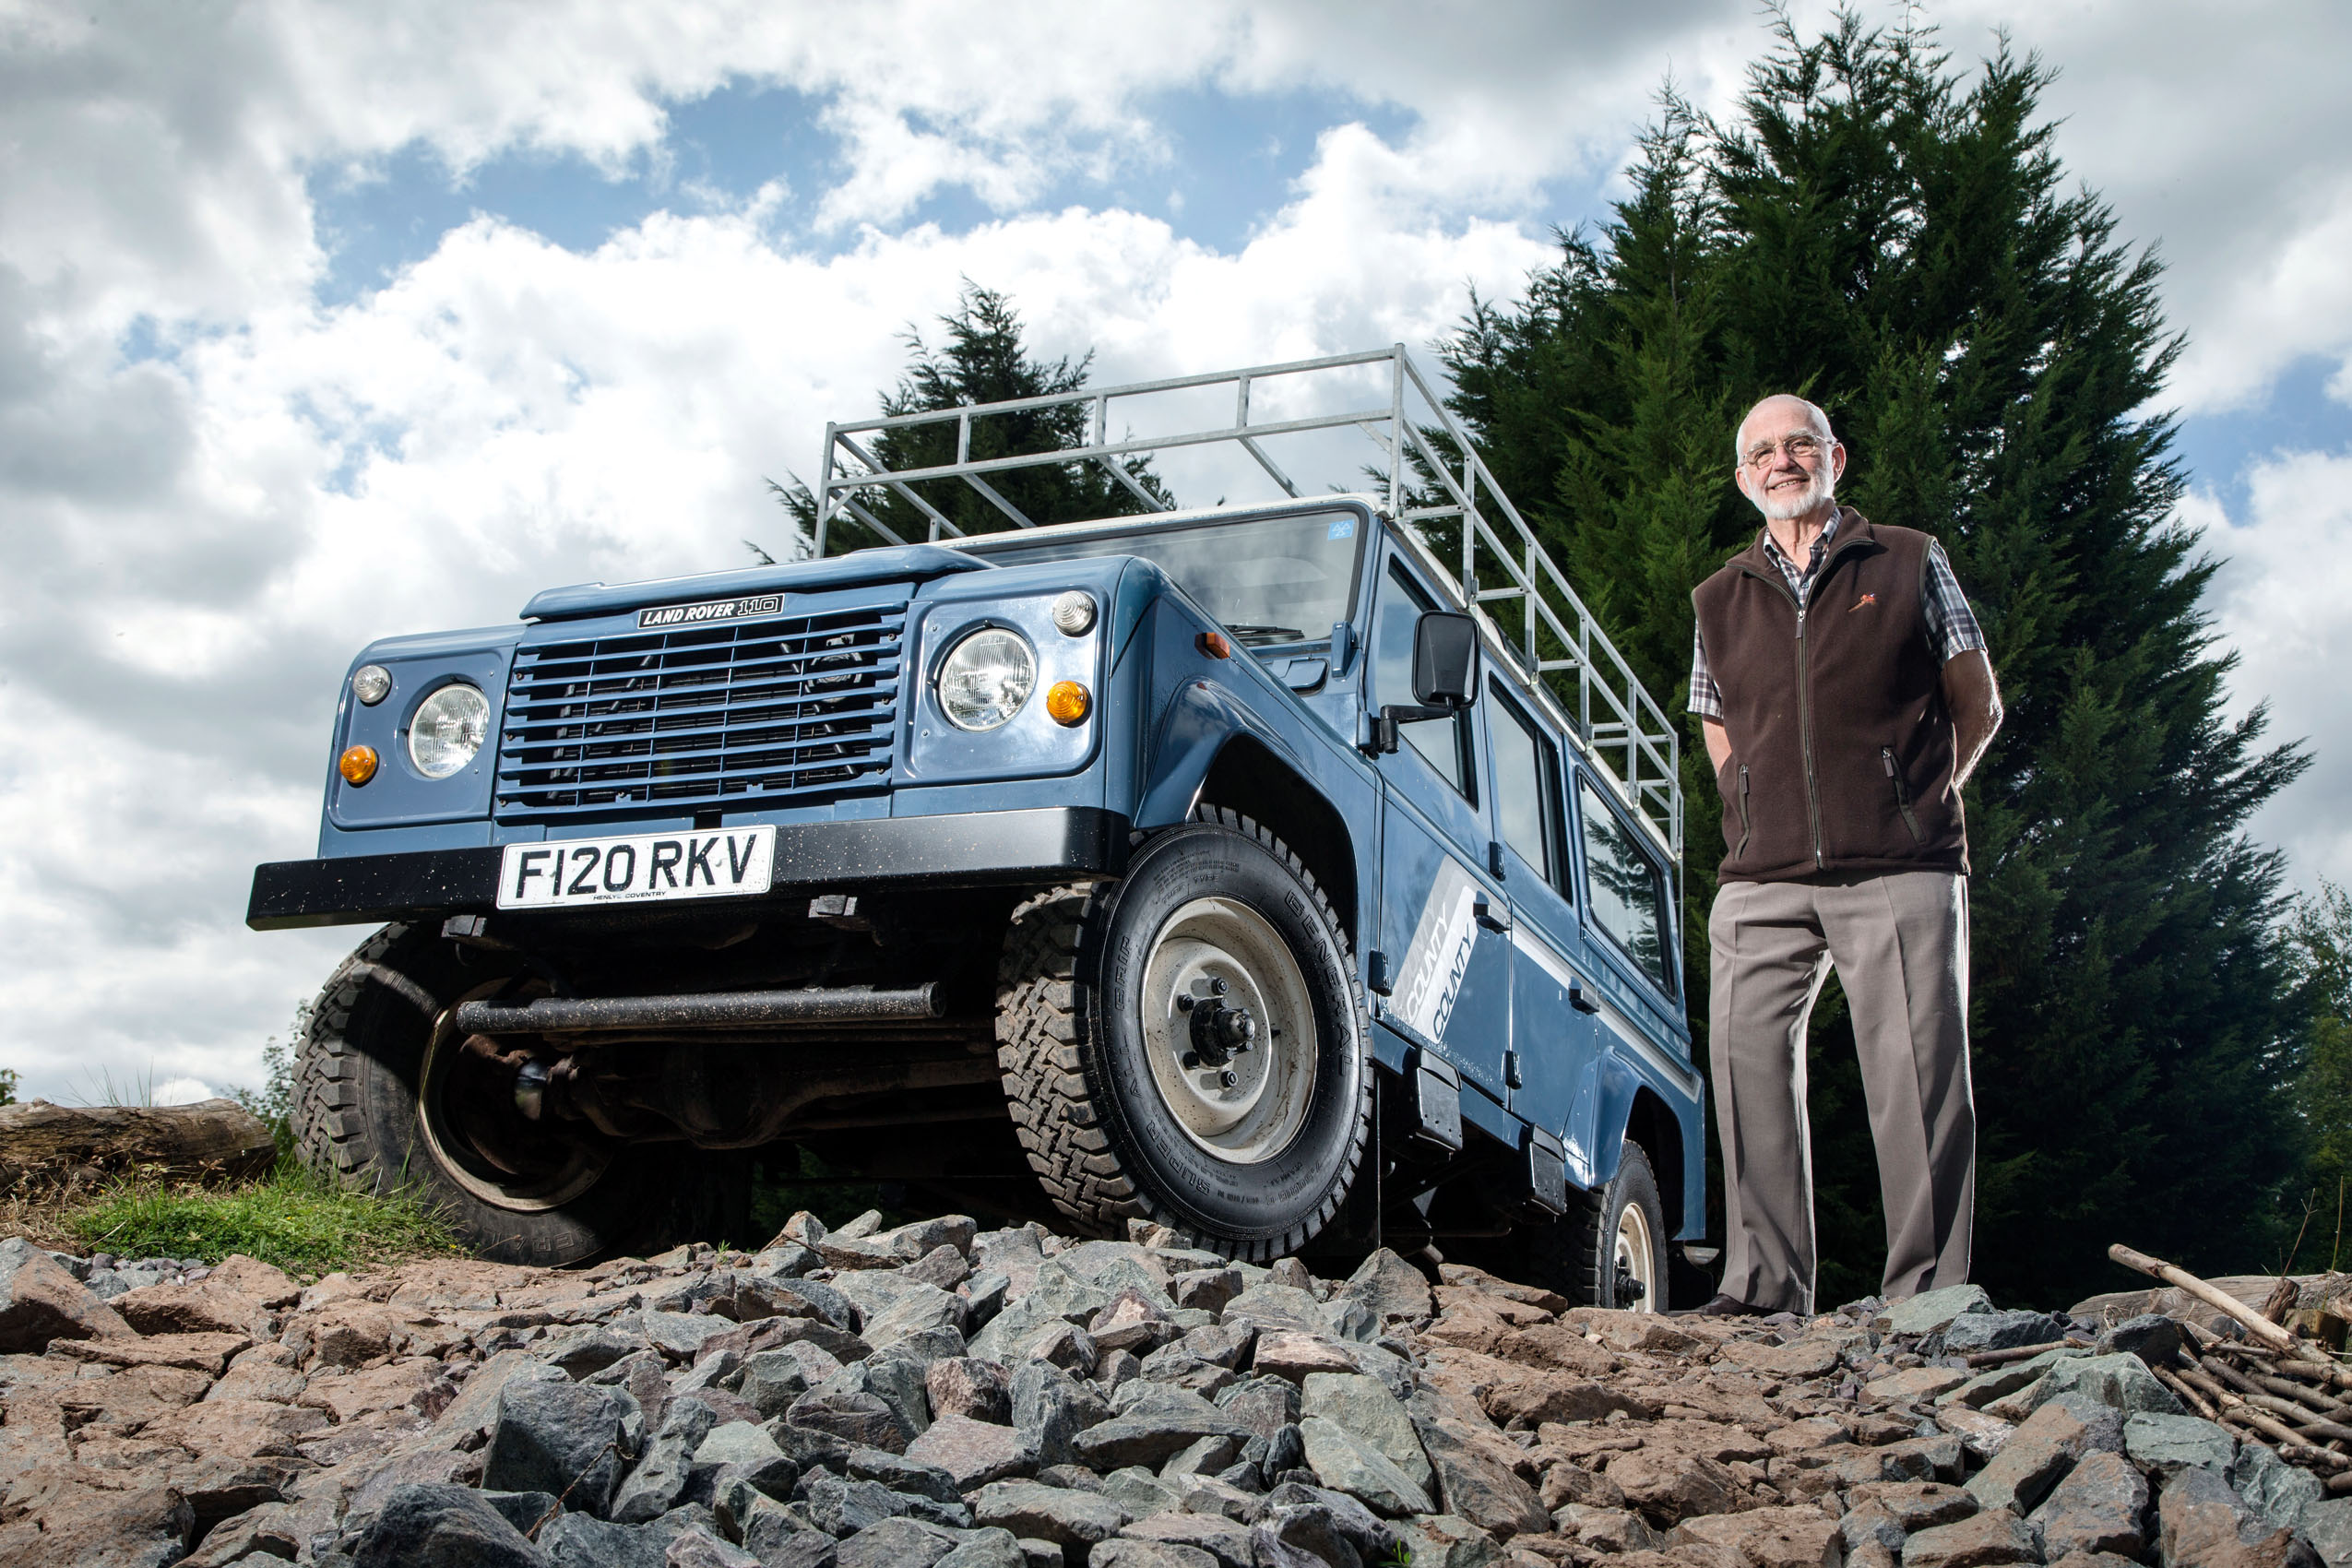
x=1902 y=794
x=1746 y=826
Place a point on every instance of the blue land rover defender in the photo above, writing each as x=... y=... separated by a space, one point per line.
x=1292 y=872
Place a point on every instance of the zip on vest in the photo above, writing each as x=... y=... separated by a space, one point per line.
x=1804 y=686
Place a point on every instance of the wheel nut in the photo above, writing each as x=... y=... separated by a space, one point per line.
x=1192 y=1061
x=1218 y=988
x=1228 y=1079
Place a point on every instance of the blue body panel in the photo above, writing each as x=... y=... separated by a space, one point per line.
x=1479 y=948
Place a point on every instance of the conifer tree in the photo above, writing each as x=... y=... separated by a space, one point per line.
x=984 y=360
x=1897 y=241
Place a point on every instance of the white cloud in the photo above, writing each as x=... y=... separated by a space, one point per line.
x=2280 y=601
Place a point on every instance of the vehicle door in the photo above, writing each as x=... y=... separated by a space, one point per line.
x=1442 y=913
x=1554 y=1069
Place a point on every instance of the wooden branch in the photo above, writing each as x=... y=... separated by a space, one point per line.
x=213 y=1138
x=2189 y=1395
x=2319 y=1458
x=2014 y=1353
x=2213 y=1296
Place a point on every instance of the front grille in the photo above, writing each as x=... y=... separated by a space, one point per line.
x=786 y=710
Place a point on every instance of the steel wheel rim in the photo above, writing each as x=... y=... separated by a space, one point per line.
x=1633 y=1255
x=465 y=1165
x=1208 y=941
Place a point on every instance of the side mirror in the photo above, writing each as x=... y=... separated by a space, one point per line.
x=1445 y=660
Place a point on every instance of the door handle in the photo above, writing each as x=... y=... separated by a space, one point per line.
x=1483 y=912
x=1579 y=1001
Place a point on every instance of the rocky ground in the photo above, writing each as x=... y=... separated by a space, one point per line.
x=945 y=1398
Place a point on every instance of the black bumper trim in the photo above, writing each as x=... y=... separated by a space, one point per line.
x=969 y=850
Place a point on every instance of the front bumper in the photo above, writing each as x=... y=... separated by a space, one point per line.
x=965 y=850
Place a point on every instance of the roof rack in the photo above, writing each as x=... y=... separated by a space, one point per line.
x=1455 y=511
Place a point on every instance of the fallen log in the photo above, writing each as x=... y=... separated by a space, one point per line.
x=44 y=1144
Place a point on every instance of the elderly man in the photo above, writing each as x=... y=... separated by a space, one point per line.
x=1845 y=696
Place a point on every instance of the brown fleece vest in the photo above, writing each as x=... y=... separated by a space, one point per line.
x=1841 y=746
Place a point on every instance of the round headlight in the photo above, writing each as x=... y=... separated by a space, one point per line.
x=986 y=678
x=1074 y=613
x=448 y=730
x=370 y=682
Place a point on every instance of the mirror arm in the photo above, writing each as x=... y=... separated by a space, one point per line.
x=1383 y=724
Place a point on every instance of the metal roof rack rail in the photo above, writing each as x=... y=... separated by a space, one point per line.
x=1455 y=513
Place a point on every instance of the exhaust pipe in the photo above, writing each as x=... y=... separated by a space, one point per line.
x=711 y=1010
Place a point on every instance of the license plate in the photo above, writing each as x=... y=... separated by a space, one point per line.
x=642 y=867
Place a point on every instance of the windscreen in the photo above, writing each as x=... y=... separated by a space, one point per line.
x=1266 y=580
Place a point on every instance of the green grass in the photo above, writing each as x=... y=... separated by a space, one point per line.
x=291 y=1219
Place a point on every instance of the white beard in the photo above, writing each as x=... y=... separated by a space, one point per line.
x=1781 y=506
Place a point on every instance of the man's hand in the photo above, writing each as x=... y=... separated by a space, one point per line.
x=1719 y=743
x=1974 y=702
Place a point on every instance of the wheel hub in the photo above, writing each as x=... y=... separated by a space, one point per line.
x=1632 y=1258
x=1229 y=1029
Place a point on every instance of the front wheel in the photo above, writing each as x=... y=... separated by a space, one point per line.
x=1186 y=1046
x=388 y=1098
x=1608 y=1250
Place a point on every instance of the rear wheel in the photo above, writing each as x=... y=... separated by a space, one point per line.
x=388 y=1096
x=1608 y=1250
x=1186 y=1046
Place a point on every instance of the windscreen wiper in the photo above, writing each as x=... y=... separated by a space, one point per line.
x=1254 y=636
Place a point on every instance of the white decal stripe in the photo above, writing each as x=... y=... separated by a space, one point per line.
x=1540 y=951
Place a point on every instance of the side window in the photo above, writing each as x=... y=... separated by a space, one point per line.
x=1526 y=787
x=1628 y=894
x=1444 y=744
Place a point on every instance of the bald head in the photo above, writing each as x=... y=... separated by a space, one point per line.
x=1786 y=412
x=1788 y=460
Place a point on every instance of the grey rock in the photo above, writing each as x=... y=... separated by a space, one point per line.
x=660 y=1478
x=678 y=1336
x=825 y=1302
x=1981 y=1540
x=2121 y=1381
x=578 y=1540
x=1364 y=1407
x=1113 y=1266
x=782 y=1537
x=1115 y=1368
x=1933 y=1310
x=444 y=1526
x=841 y=1508
x=1206 y=1290
x=1442 y=1541
x=585 y=1351
x=1076 y=1476
x=1999 y=1382
x=989 y=1548
x=2098 y=1507
x=965 y=1385
x=524 y=1510
x=1140 y=1492
x=2202 y=1523
x=2277 y=1492
x=853 y=1416
x=1265 y=1405
x=562 y=1437
x=1155 y=1425
x=1973 y=1333
x=1227 y=1543
x=1204 y=1456
x=888 y=1543
x=2152 y=1336
x=984 y=1296
x=2043 y=1448
x=1209 y=1494
x=698 y=1548
x=717 y=1368
x=891 y=1306
x=809 y=1448
x=1392 y=1288
x=973 y=1453
x=2166 y=1445
x=1051 y=1410
x=789 y=1261
x=2328 y=1526
x=1055 y=1514
x=902 y=1474
x=943 y=1267
x=1470 y=1481
x=773 y=1379
x=1351 y=1464
x=924 y=1345
x=1349 y=1319
x=1124 y=1553
x=1016 y=1253
x=917 y=1240
x=897 y=1381
x=1369 y=1535
x=1270 y=1305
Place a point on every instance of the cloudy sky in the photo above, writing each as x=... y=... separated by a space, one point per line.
x=324 y=322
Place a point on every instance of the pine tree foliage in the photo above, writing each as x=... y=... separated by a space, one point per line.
x=2322 y=936
x=1897 y=240
x=984 y=360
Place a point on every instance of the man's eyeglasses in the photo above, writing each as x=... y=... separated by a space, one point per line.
x=1800 y=448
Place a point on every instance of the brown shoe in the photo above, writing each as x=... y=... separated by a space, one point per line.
x=1725 y=1306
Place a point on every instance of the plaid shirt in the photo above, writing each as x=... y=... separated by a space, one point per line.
x=1952 y=625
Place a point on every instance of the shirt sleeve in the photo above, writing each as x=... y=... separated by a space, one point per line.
x=1952 y=625
x=1707 y=698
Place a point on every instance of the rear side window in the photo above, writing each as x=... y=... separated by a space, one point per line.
x=1526 y=788
x=1627 y=892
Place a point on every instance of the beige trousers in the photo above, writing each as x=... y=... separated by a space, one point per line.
x=1900 y=944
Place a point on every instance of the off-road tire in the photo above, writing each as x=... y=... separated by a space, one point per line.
x=1067 y=1050
x=355 y=1113
x=1575 y=1253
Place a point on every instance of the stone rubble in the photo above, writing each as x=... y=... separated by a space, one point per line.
x=949 y=1397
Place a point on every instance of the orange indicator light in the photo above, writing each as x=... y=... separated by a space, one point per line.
x=1068 y=703
x=1214 y=645
x=357 y=765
